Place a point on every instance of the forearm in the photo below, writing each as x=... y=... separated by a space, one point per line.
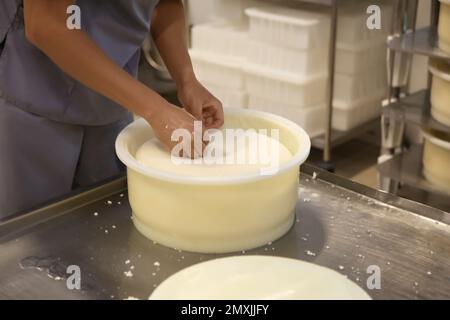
x=77 y=55
x=169 y=34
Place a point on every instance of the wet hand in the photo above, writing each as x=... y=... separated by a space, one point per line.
x=198 y=101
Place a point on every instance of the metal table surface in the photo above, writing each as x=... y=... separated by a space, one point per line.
x=340 y=224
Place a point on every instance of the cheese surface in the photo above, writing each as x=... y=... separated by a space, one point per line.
x=242 y=154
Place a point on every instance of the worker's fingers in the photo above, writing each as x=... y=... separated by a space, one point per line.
x=214 y=111
x=197 y=111
x=208 y=121
x=217 y=123
x=197 y=146
x=196 y=150
x=208 y=112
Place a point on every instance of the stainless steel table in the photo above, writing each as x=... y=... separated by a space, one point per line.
x=340 y=224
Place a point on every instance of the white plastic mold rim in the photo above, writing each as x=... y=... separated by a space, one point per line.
x=128 y=134
x=221 y=38
x=282 y=76
x=435 y=140
x=356 y=104
x=287 y=15
x=216 y=59
x=230 y=98
x=297 y=61
x=440 y=69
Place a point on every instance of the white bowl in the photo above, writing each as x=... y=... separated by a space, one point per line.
x=215 y=214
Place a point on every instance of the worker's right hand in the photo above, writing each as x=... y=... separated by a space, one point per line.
x=167 y=120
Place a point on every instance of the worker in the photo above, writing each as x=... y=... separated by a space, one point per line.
x=65 y=92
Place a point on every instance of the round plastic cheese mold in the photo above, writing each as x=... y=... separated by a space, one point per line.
x=215 y=214
x=444 y=26
x=440 y=91
x=257 y=278
x=436 y=158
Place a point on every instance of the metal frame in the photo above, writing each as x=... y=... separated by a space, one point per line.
x=332 y=138
x=327 y=164
x=414 y=108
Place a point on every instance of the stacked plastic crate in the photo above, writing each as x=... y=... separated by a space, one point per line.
x=361 y=72
x=218 y=51
x=277 y=61
x=217 y=54
x=286 y=65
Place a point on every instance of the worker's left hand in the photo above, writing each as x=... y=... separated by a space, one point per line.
x=199 y=102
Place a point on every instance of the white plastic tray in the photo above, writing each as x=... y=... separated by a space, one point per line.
x=289 y=27
x=218 y=70
x=370 y=83
x=231 y=10
x=286 y=88
x=221 y=38
x=300 y=62
x=311 y=119
x=347 y=116
x=352 y=22
x=230 y=98
x=359 y=57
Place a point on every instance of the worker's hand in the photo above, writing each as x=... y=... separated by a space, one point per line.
x=170 y=118
x=196 y=99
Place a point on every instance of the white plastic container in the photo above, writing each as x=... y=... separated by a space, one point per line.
x=347 y=116
x=311 y=119
x=286 y=88
x=359 y=57
x=444 y=26
x=220 y=38
x=231 y=10
x=364 y=85
x=289 y=27
x=440 y=91
x=230 y=98
x=213 y=214
x=300 y=62
x=218 y=70
x=352 y=22
x=436 y=159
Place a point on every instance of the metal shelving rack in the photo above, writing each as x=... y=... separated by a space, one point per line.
x=333 y=138
x=400 y=165
x=326 y=141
